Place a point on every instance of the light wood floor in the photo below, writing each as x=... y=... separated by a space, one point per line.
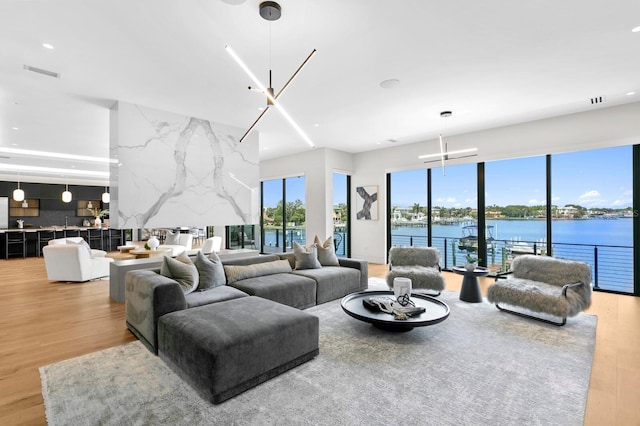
x=43 y=323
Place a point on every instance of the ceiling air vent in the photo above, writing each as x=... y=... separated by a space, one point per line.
x=42 y=71
x=597 y=100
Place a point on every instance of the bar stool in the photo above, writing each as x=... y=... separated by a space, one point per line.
x=96 y=235
x=114 y=234
x=43 y=239
x=71 y=233
x=15 y=239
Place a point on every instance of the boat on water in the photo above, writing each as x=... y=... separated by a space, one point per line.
x=469 y=240
x=517 y=248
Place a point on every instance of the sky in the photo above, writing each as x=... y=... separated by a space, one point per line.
x=273 y=190
x=596 y=178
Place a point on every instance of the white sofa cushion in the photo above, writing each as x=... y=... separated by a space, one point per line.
x=78 y=240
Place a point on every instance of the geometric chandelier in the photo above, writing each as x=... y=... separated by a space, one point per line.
x=271 y=11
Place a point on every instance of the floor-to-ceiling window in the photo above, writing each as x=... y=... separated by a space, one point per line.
x=272 y=236
x=408 y=215
x=296 y=213
x=593 y=213
x=515 y=209
x=454 y=212
x=576 y=206
x=341 y=211
x=283 y=214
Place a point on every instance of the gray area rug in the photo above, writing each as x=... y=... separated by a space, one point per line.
x=478 y=367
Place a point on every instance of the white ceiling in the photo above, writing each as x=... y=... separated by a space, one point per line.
x=492 y=63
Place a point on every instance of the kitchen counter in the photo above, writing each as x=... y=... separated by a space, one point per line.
x=52 y=228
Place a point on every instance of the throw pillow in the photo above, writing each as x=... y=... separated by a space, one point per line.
x=182 y=270
x=210 y=271
x=172 y=239
x=326 y=252
x=306 y=257
x=240 y=272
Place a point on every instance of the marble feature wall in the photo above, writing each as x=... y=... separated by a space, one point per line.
x=176 y=170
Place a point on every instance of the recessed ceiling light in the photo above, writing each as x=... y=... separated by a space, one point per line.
x=390 y=84
x=316 y=125
x=233 y=2
x=630 y=93
x=15 y=128
x=48 y=46
x=261 y=109
x=636 y=30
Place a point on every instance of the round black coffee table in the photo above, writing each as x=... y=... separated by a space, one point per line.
x=435 y=311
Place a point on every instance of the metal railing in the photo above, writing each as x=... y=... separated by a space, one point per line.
x=612 y=267
x=274 y=241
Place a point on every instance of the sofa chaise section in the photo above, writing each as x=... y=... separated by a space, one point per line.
x=226 y=348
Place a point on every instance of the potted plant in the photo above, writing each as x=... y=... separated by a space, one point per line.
x=472 y=262
x=98 y=213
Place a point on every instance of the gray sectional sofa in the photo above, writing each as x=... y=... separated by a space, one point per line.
x=150 y=295
x=245 y=325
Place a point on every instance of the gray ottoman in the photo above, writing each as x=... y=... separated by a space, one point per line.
x=228 y=347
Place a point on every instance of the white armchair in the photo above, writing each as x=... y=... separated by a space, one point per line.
x=212 y=244
x=69 y=261
x=177 y=243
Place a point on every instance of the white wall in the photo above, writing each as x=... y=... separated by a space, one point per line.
x=606 y=127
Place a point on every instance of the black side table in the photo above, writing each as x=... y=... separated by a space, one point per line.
x=470 y=291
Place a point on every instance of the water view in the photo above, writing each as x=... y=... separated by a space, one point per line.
x=605 y=244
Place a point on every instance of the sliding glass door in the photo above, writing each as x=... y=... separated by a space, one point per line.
x=515 y=209
x=593 y=213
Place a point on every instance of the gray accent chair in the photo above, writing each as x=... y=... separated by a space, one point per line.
x=543 y=284
x=420 y=264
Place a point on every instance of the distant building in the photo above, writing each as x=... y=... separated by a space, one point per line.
x=567 y=212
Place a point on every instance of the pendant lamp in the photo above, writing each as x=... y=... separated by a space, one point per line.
x=66 y=195
x=18 y=194
x=106 y=197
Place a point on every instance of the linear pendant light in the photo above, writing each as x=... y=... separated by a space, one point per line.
x=444 y=154
x=271 y=100
x=271 y=11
